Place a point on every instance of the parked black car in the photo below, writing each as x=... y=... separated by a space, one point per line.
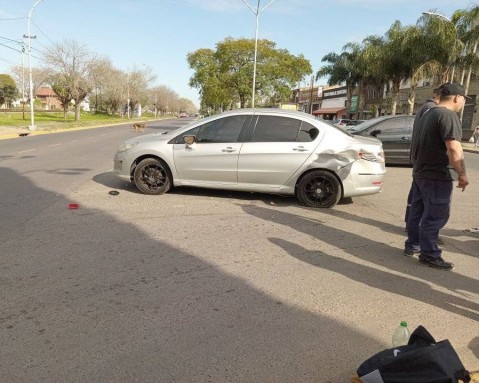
x=395 y=132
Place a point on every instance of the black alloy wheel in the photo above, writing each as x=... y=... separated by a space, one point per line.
x=152 y=176
x=319 y=188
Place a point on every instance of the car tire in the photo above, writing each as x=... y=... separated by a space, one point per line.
x=319 y=188
x=152 y=176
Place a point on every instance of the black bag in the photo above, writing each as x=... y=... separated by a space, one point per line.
x=422 y=360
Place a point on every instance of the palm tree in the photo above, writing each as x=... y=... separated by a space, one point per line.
x=343 y=69
x=467 y=23
x=442 y=42
x=423 y=65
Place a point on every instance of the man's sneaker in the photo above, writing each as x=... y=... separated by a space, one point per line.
x=437 y=263
x=411 y=253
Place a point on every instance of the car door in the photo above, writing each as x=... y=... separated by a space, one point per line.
x=274 y=150
x=395 y=134
x=213 y=158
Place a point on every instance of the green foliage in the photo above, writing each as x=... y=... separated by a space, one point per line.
x=8 y=89
x=224 y=77
x=56 y=120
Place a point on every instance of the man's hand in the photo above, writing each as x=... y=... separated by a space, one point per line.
x=462 y=182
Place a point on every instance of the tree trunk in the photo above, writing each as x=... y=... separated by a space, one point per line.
x=65 y=110
x=395 y=96
x=77 y=112
x=411 y=98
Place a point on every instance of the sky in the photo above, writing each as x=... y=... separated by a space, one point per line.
x=160 y=33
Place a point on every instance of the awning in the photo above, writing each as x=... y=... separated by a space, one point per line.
x=329 y=111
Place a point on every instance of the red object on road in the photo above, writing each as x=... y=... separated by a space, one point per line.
x=73 y=206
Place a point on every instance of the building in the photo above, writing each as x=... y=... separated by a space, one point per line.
x=48 y=99
x=330 y=102
x=325 y=102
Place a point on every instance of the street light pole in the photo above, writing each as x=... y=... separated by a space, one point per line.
x=256 y=12
x=32 y=118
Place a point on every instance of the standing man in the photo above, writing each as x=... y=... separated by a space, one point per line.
x=430 y=103
x=438 y=160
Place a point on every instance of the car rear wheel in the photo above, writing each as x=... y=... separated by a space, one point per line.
x=152 y=176
x=319 y=188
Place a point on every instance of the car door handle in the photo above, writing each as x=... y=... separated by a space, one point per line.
x=229 y=149
x=404 y=139
x=300 y=149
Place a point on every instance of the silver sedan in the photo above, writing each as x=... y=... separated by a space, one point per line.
x=257 y=150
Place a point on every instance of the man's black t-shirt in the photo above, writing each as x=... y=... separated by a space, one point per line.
x=428 y=146
x=421 y=112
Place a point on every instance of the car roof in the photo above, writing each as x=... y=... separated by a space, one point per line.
x=263 y=111
x=373 y=121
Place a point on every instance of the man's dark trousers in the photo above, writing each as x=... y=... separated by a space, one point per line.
x=429 y=213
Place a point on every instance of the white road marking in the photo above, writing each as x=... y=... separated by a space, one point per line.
x=29 y=150
x=54 y=144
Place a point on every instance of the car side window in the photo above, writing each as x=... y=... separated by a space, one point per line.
x=225 y=129
x=276 y=129
x=307 y=133
x=391 y=127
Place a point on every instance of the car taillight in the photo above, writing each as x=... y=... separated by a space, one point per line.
x=373 y=157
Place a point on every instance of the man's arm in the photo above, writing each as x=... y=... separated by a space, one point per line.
x=456 y=160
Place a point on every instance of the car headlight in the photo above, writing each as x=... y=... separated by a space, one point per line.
x=126 y=146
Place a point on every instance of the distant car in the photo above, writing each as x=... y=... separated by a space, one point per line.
x=341 y=122
x=183 y=115
x=395 y=132
x=256 y=150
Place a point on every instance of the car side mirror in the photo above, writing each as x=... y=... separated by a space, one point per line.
x=189 y=140
x=374 y=133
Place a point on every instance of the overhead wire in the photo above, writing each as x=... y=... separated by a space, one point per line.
x=43 y=33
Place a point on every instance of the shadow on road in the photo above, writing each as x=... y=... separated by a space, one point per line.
x=89 y=297
x=377 y=253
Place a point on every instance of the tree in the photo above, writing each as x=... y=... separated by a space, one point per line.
x=163 y=99
x=423 y=62
x=40 y=76
x=8 y=89
x=114 y=91
x=137 y=83
x=225 y=75
x=467 y=23
x=444 y=46
x=209 y=80
x=71 y=63
x=345 y=68
x=100 y=76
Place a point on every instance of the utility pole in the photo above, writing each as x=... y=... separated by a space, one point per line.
x=311 y=96
x=32 y=126
x=128 y=96
x=256 y=12
x=23 y=83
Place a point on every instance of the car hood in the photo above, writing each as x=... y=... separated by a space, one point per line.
x=158 y=136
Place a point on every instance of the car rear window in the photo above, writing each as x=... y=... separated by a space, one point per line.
x=283 y=129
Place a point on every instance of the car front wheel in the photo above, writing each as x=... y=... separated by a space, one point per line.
x=152 y=176
x=319 y=188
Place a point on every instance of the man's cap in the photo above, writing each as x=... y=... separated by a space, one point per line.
x=453 y=89
x=438 y=90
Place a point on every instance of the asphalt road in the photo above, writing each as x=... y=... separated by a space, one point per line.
x=210 y=286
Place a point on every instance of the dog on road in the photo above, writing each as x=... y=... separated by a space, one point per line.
x=139 y=126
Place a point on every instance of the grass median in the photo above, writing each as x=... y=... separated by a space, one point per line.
x=52 y=121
